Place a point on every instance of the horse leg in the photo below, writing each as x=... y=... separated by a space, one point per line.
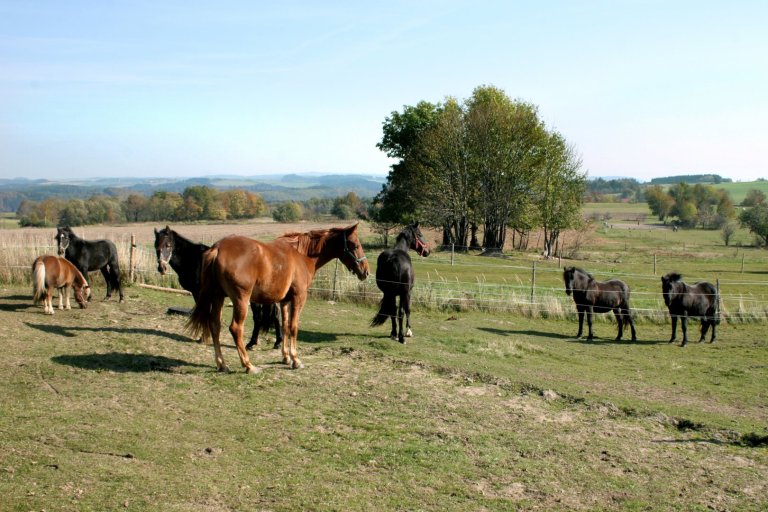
x=674 y=328
x=276 y=325
x=48 y=302
x=407 y=309
x=704 y=328
x=590 y=313
x=65 y=290
x=297 y=305
x=393 y=320
x=684 y=328
x=239 y=314
x=400 y=315
x=581 y=322
x=713 y=322
x=214 y=324
x=628 y=317
x=115 y=272
x=286 y=334
x=108 y=281
x=619 y=320
x=256 y=310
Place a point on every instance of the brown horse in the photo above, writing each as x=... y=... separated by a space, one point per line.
x=247 y=270
x=49 y=272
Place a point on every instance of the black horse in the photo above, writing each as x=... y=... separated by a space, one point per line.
x=89 y=255
x=593 y=296
x=700 y=300
x=186 y=259
x=394 y=277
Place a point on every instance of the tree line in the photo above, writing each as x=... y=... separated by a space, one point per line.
x=195 y=203
x=486 y=162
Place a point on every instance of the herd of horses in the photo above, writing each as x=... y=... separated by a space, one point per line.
x=267 y=276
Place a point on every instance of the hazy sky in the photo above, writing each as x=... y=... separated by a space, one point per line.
x=187 y=88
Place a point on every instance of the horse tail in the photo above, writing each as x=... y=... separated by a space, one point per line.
x=38 y=280
x=199 y=323
x=266 y=318
x=387 y=309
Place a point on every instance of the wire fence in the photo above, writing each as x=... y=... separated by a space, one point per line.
x=446 y=281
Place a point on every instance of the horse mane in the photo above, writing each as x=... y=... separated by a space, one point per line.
x=578 y=269
x=312 y=242
x=674 y=277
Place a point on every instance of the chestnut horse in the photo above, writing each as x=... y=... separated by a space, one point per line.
x=246 y=270
x=49 y=272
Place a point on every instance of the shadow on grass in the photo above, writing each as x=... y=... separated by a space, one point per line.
x=71 y=331
x=572 y=339
x=118 y=362
x=17 y=306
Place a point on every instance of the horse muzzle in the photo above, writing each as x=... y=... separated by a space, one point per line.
x=162 y=267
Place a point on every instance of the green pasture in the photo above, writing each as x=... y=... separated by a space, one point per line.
x=114 y=407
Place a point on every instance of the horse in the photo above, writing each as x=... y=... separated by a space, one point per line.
x=49 y=272
x=593 y=296
x=394 y=277
x=246 y=270
x=700 y=300
x=89 y=255
x=185 y=257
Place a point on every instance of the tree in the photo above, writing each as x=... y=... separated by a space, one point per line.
x=287 y=212
x=134 y=207
x=756 y=220
x=560 y=193
x=753 y=197
x=659 y=202
x=727 y=232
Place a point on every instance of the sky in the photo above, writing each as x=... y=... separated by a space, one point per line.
x=189 y=88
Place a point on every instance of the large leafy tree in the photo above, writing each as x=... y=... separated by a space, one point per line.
x=756 y=220
x=560 y=191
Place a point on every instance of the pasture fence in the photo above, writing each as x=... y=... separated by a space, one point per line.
x=517 y=284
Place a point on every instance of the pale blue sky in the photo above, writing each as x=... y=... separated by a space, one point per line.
x=187 y=88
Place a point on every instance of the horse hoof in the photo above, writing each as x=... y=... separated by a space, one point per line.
x=252 y=370
x=223 y=369
x=297 y=365
x=402 y=340
x=408 y=333
x=393 y=337
x=634 y=339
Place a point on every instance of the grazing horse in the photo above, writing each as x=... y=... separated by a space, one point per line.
x=700 y=300
x=185 y=257
x=394 y=277
x=49 y=272
x=89 y=255
x=246 y=270
x=593 y=296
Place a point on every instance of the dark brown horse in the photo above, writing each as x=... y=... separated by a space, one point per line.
x=246 y=270
x=698 y=301
x=593 y=296
x=49 y=272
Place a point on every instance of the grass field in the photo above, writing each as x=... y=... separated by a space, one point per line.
x=113 y=407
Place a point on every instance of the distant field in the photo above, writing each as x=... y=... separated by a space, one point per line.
x=739 y=190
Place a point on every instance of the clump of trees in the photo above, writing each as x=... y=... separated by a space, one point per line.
x=195 y=203
x=488 y=162
x=694 y=206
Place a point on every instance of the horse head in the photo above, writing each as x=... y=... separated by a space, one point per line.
x=353 y=256
x=163 y=248
x=63 y=237
x=568 y=279
x=82 y=295
x=668 y=283
x=418 y=243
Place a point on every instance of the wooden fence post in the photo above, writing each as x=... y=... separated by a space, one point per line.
x=452 y=248
x=132 y=264
x=533 y=282
x=335 y=272
x=742 y=262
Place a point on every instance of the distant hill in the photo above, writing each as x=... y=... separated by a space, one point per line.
x=273 y=188
x=692 y=179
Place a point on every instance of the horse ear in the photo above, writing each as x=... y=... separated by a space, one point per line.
x=416 y=224
x=156 y=231
x=167 y=228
